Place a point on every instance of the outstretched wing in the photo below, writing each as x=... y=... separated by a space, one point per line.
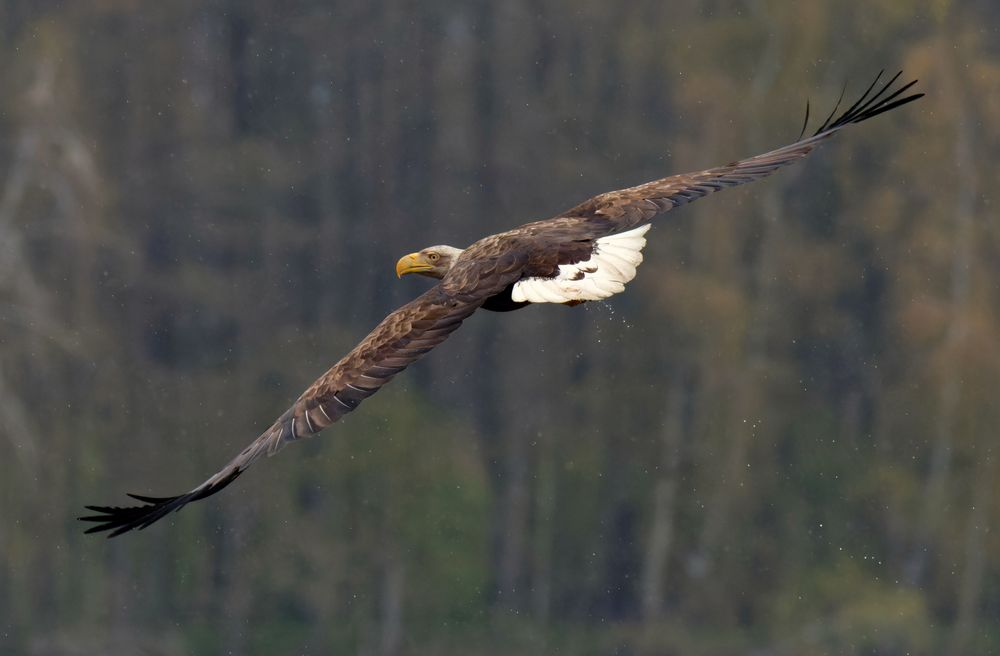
x=627 y=208
x=401 y=338
x=591 y=250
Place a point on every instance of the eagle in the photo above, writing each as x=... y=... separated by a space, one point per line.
x=587 y=253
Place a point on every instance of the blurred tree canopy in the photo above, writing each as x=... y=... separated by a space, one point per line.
x=779 y=441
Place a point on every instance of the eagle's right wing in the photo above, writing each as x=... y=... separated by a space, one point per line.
x=399 y=340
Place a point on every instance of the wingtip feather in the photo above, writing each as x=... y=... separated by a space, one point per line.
x=869 y=105
x=121 y=520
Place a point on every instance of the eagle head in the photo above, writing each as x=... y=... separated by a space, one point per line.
x=433 y=261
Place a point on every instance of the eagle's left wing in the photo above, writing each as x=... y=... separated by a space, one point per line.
x=620 y=210
x=590 y=251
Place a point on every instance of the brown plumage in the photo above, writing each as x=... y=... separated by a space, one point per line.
x=586 y=253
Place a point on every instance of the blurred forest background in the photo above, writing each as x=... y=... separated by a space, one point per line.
x=781 y=440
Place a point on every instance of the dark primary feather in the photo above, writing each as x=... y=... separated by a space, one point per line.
x=118 y=519
x=805 y=122
x=484 y=271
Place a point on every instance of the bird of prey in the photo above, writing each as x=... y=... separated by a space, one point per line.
x=586 y=253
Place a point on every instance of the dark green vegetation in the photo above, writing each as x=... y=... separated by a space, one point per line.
x=779 y=440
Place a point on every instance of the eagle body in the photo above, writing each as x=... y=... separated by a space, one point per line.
x=504 y=301
x=588 y=252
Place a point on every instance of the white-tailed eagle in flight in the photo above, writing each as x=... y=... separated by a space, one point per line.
x=587 y=253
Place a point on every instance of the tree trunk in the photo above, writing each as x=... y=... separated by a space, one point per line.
x=391 y=615
x=661 y=533
x=971 y=584
x=934 y=503
x=545 y=504
x=743 y=412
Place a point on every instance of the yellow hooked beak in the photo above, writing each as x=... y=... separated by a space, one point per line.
x=412 y=263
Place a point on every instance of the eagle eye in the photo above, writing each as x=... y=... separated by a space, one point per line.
x=433 y=257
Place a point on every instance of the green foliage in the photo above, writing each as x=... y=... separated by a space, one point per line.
x=839 y=608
